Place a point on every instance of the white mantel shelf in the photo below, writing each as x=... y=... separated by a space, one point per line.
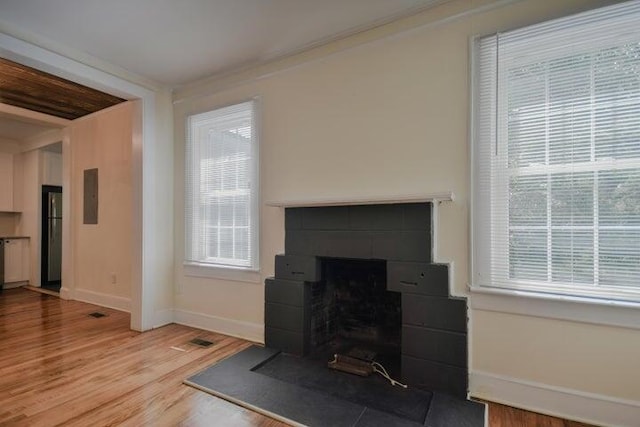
x=444 y=196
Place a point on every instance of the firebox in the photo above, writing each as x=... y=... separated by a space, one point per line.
x=361 y=279
x=352 y=312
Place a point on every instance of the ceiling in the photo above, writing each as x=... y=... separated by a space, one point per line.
x=23 y=88
x=176 y=42
x=19 y=126
x=12 y=128
x=35 y=90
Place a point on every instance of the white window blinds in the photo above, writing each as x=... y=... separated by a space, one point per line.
x=557 y=156
x=221 y=188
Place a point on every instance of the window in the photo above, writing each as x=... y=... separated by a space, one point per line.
x=557 y=156
x=222 y=188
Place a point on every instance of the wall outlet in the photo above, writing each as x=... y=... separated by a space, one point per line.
x=114 y=278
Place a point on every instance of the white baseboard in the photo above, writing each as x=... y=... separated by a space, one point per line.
x=163 y=317
x=103 y=300
x=236 y=328
x=13 y=285
x=557 y=401
x=65 y=293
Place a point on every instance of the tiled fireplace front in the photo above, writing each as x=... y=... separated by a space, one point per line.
x=365 y=273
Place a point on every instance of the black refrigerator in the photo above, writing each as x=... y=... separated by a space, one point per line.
x=52 y=256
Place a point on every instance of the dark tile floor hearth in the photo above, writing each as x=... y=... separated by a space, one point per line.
x=302 y=391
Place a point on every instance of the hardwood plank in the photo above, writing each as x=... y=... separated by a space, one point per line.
x=507 y=416
x=59 y=366
x=35 y=90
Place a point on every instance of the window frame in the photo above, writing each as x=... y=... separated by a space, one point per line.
x=217 y=267
x=480 y=236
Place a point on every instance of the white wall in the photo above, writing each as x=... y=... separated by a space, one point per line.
x=380 y=114
x=101 y=251
x=163 y=203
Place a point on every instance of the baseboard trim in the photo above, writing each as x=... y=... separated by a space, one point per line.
x=41 y=290
x=561 y=402
x=103 y=300
x=236 y=328
x=163 y=317
x=65 y=293
x=14 y=285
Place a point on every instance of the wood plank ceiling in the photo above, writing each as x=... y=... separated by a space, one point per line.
x=35 y=90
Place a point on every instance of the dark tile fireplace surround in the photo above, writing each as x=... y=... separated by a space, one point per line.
x=396 y=239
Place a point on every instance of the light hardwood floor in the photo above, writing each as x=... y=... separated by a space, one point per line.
x=59 y=366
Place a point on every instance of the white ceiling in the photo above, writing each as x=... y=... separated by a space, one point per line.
x=20 y=126
x=13 y=128
x=174 y=42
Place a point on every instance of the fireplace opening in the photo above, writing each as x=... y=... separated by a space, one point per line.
x=353 y=314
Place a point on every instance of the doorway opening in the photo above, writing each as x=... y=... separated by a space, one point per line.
x=51 y=244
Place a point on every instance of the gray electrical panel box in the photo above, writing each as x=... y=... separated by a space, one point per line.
x=90 y=196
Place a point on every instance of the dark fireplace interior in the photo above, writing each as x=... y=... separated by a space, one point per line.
x=352 y=312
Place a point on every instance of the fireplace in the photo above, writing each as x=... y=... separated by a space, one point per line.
x=362 y=278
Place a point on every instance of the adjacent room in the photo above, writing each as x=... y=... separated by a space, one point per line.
x=336 y=213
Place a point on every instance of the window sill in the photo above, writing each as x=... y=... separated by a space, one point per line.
x=223 y=273
x=578 y=309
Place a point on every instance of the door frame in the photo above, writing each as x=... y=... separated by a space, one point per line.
x=146 y=259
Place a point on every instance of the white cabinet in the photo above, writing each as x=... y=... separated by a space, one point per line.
x=51 y=168
x=6 y=182
x=16 y=260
